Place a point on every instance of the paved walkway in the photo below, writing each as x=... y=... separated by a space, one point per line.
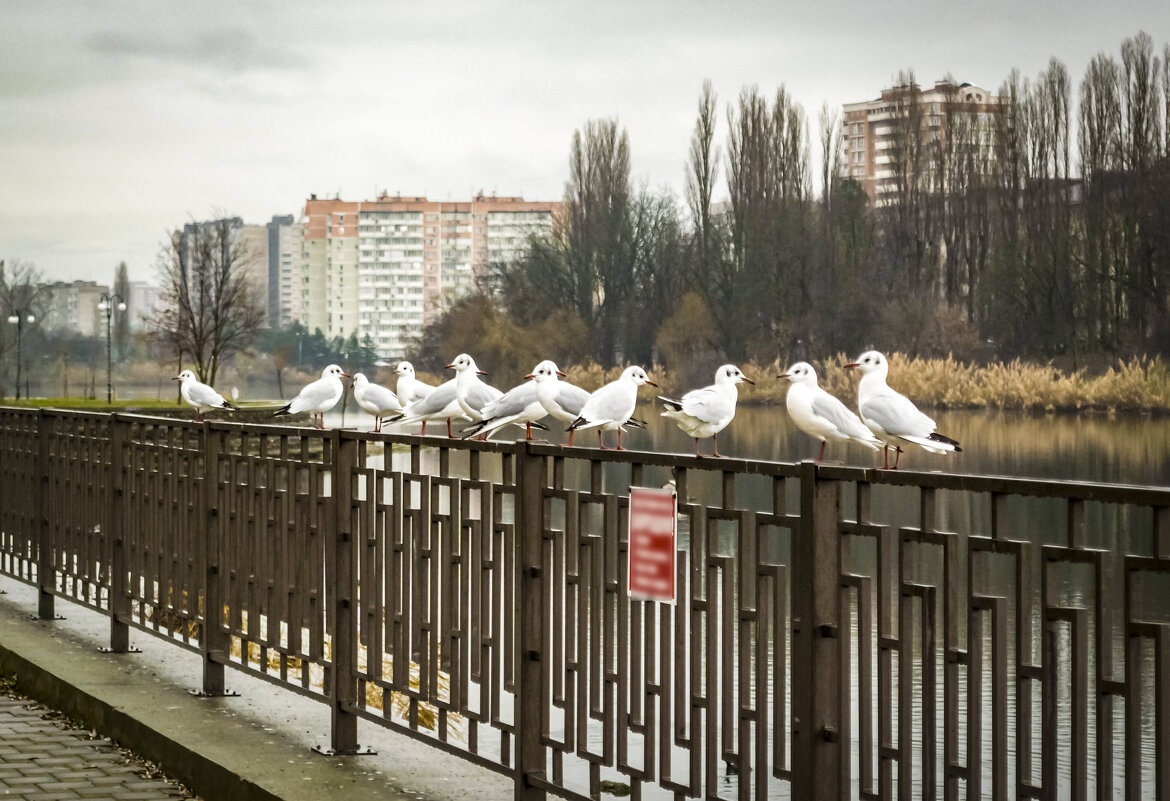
x=42 y=759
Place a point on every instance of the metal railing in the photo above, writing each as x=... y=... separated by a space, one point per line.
x=839 y=632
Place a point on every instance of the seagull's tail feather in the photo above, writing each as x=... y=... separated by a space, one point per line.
x=540 y=426
x=580 y=421
x=674 y=405
x=635 y=422
x=282 y=410
x=473 y=429
x=934 y=445
x=873 y=443
x=937 y=437
x=227 y=404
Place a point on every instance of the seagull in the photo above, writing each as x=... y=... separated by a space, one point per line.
x=318 y=397
x=439 y=404
x=705 y=412
x=409 y=388
x=473 y=395
x=199 y=395
x=818 y=413
x=891 y=415
x=519 y=405
x=610 y=407
x=374 y=399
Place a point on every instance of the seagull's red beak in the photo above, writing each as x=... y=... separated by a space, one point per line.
x=562 y=375
x=745 y=378
x=530 y=375
x=481 y=372
x=783 y=375
x=451 y=366
x=851 y=365
x=346 y=375
x=651 y=383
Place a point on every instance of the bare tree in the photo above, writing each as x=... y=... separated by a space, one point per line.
x=209 y=310
x=22 y=297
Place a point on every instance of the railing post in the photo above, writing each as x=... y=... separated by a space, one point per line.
x=115 y=530
x=340 y=588
x=530 y=618
x=213 y=639
x=817 y=752
x=46 y=570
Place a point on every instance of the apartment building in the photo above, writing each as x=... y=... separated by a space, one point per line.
x=71 y=307
x=388 y=267
x=876 y=130
x=284 y=274
x=252 y=241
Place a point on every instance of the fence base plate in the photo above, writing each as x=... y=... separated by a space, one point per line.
x=225 y=694
x=361 y=750
x=131 y=650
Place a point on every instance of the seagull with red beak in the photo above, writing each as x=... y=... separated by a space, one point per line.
x=610 y=407
x=318 y=397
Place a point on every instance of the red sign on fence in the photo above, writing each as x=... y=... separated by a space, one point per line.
x=653 y=525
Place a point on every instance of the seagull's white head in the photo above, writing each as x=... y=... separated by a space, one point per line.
x=637 y=375
x=545 y=371
x=871 y=362
x=463 y=363
x=333 y=371
x=404 y=368
x=800 y=373
x=360 y=380
x=730 y=374
x=185 y=376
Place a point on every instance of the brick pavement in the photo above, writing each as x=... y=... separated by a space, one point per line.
x=42 y=759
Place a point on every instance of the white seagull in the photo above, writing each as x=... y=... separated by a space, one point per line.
x=318 y=397
x=563 y=400
x=199 y=395
x=409 y=388
x=610 y=407
x=891 y=415
x=473 y=395
x=519 y=406
x=818 y=413
x=374 y=399
x=705 y=412
x=440 y=404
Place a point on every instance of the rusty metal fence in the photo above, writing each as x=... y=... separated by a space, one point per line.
x=839 y=632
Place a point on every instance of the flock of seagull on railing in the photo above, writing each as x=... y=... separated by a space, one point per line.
x=887 y=418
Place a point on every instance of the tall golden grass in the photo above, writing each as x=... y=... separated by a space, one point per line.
x=1139 y=385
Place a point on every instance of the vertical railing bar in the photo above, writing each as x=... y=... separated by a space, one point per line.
x=116 y=533
x=532 y=692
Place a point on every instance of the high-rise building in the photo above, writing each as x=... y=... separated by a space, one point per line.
x=387 y=267
x=142 y=304
x=877 y=132
x=284 y=286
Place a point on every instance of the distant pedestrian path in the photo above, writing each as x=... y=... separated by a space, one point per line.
x=44 y=758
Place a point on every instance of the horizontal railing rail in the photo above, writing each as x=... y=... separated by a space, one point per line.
x=838 y=632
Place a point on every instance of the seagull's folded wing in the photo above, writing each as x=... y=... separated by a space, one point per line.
x=897 y=416
x=839 y=416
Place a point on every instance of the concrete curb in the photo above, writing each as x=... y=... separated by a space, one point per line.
x=207 y=778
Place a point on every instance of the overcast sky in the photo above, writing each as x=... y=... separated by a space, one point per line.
x=122 y=120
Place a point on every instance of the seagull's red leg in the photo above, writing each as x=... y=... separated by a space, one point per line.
x=571 y=433
x=600 y=441
x=885 y=457
x=897 y=455
x=424 y=428
x=821 y=455
x=619 y=447
x=697 y=454
x=449 y=434
x=528 y=430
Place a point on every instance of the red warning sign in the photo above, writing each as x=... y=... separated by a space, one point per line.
x=653 y=528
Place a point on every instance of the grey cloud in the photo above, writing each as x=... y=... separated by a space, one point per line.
x=229 y=50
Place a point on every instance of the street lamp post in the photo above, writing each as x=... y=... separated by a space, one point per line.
x=107 y=305
x=19 y=317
